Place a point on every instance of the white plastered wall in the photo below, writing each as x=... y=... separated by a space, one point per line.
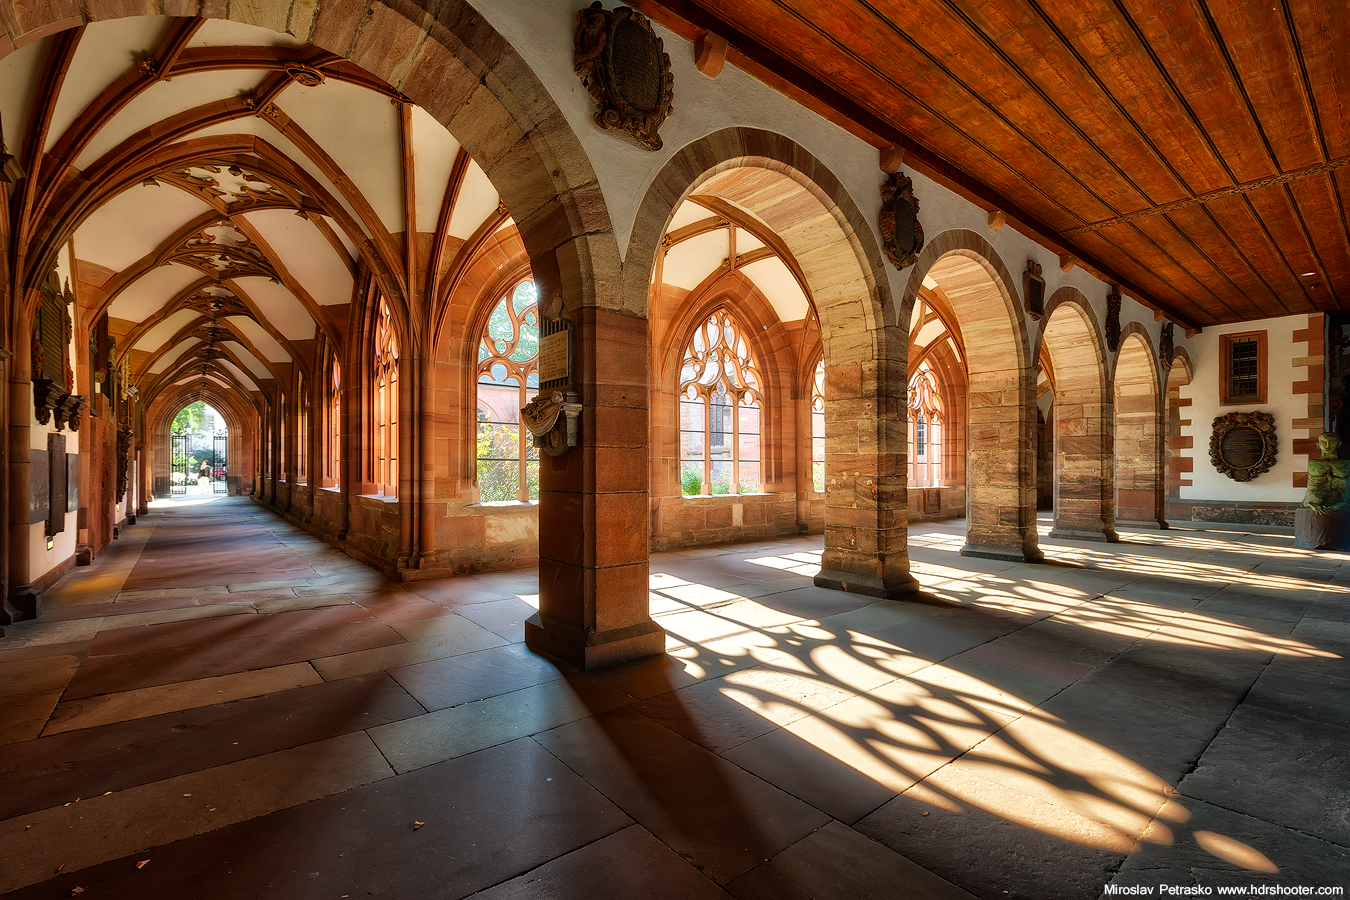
x=1203 y=392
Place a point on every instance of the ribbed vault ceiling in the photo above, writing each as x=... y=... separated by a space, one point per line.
x=224 y=188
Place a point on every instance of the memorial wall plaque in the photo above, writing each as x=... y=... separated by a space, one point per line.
x=901 y=233
x=72 y=482
x=1243 y=444
x=555 y=357
x=623 y=65
x=39 y=486
x=56 y=460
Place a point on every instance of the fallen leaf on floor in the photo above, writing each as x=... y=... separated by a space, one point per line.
x=76 y=890
x=417 y=825
x=142 y=864
x=59 y=868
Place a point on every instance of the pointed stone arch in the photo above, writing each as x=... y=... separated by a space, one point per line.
x=1084 y=466
x=1139 y=431
x=1001 y=409
x=805 y=204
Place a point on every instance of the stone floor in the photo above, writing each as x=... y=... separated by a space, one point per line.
x=224 y=707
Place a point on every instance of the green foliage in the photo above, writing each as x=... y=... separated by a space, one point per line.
x=749 y=487
x=818 y=476
x=721 y=486
x=691 y=482
x=499 y=466
x=194 y=418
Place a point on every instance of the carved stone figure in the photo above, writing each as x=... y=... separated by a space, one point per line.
x=1328 y=477
x=1323 y=522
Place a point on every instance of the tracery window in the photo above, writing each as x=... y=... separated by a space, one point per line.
x=302 y=435
x=818 y=428
x=720 y=403
x=333 y=431
x=508 y=370
x=385 y=475
x=925 y=429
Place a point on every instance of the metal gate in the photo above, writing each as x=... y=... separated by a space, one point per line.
x=220 y=456
x=180 y=463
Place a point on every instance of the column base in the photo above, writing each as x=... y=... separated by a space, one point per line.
x=1002 y=553
x=1143 y=525
x=590 y=650
x=22 y=603
x=1070 y=534
x=867 y=585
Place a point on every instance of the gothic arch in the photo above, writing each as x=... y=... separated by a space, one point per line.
x=1139 y=431
x=804 y=203
x=1084 y=470
x=1000 y=440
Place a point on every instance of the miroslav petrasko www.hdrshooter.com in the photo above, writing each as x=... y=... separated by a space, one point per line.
x=1237 y=890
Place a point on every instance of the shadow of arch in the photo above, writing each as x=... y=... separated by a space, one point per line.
x=1001 y=408
x=1137 y=398
x=1084 y=465
x=804 y=203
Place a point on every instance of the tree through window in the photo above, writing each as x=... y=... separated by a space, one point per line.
x=508 y=369
x=719 y=411
x=818 y=428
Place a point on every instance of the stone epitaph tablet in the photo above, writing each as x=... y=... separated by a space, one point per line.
x=1243 y=444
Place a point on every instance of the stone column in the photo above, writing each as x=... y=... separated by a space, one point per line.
x=866 y=448
x=594 y=520
x=1001 y=517
x=1085 y=482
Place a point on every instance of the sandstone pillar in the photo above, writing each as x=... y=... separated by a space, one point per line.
x=594 y=521
x=1001 y=514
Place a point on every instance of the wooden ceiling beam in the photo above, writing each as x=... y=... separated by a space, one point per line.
x=689 y=19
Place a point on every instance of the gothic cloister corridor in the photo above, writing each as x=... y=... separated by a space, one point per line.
x=221 y=686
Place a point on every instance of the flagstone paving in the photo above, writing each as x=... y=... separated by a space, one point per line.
x=223 y=706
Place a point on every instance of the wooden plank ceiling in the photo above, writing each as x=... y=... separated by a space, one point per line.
x=1195 y=152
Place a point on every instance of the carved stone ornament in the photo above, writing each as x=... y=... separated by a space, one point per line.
x=1033 y=290
x=1243 y=444
x=901 y=233
x=623 y=64
x=1113 y=320
x=552 y=419
x=1166 y=347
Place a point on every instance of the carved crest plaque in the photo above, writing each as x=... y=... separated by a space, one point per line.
x=1113 y=320
x=1166 y=344
x=901 y=233
x=624 y=66
x=1033 y=289
x=1243 y=444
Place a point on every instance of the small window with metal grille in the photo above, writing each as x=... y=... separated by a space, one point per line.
x=1243 y=376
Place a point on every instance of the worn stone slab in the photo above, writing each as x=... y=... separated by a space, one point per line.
x=712 y=813
x=103 y=828
x=378 y=659
x=22 y=716
x=448 y=733
x=107 y=708
x=838 y=863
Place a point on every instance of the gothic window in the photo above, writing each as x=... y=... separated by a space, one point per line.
x=508 y=370
x=720 y=403
x=925 y=429
x=302 y=435
x=386 y=404
x=333 y=431
x=818 y=428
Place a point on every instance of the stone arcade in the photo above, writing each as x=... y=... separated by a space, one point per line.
x=693 y=450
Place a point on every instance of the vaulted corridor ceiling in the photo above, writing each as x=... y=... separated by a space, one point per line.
x=225 y=187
